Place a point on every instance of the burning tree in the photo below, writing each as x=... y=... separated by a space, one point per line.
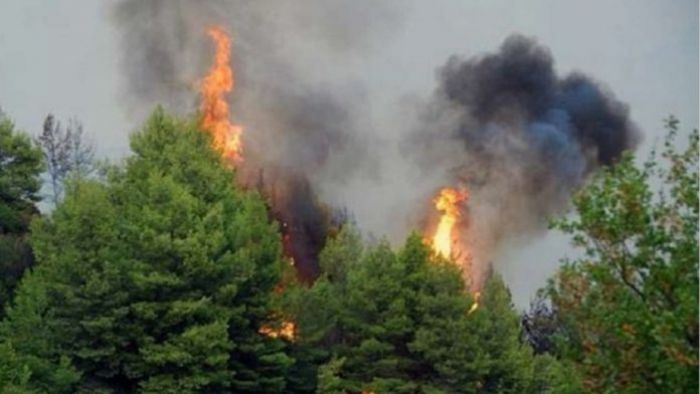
x=448 y=203
x=226 y=136
x=304 y=220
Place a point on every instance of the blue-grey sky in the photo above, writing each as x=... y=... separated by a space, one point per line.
x=63 y=57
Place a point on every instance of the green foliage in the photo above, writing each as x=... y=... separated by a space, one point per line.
x=162 y=278
x=328 y=380
x=21 y=164
x=20 y=167
x=628 y=308
x=158 y=280
x=13 y=375
x=401 y=322
x=31 y=343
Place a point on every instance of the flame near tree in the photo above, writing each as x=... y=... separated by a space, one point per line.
x=447 y=202
x=447 y=232
x=226 y=136
x=216 y=85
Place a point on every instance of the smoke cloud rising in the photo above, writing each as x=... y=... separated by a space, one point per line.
x=519 y=136
x=505 y=125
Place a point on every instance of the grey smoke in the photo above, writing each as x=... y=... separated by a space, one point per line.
x=304 y=126
x=301 y=113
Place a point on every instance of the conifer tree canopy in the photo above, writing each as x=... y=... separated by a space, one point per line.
x=20 y=168
x=155 y=280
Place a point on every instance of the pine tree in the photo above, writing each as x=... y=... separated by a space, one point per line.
x=403 y=322
x=20 y=167
x=158 y=280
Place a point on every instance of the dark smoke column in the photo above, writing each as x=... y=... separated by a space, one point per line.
x=526 y=138
x=518 y=87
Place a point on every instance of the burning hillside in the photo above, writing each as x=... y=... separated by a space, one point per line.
x=510 y=137
x=333 y=196
x=531 y=141
x=304 y=235
x=303 y=221
x=293 y=203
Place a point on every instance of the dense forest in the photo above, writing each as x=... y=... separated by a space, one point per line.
x=161 y=275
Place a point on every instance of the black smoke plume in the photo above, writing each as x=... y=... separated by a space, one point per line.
x=518 y=86
x=521 y=137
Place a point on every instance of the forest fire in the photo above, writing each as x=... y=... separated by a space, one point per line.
x=300 y=246
x=446 y=234
x=226 y=135
x=287 y=330
x=288 y=193
x=257 y=204
x=215 y=109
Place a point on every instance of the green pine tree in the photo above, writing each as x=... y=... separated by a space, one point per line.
x=401 y=322
x=21 y=165
x=157 y=280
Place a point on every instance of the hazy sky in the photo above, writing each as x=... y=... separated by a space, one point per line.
x=62 y=57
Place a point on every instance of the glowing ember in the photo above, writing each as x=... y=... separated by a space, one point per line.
x=286 y=331
x=219 y=81
x=447 y=202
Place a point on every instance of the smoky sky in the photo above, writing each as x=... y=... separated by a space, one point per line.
x=520 y=136
x=293 y=120
x=529 y=136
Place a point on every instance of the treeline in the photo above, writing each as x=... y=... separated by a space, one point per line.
x=159 y=275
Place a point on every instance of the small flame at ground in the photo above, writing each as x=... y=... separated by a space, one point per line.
x=447 y=202
x=215 y=109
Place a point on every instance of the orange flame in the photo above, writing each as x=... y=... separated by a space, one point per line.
x=286 y=331
x=219 y=81
x=447 y=202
